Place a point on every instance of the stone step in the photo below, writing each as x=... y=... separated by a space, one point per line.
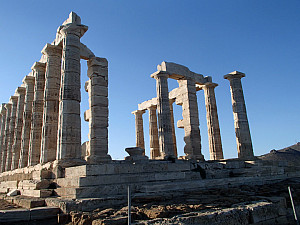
x=37 y=193
x=34 y=184
x=9 y=184
x=123 y=167
x=125 y=178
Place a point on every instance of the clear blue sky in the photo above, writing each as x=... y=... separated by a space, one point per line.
x=259 y=38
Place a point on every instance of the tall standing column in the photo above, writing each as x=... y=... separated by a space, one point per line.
x=6 y=136
x=214 y=137
x=97 y=87
x=139 y=128
x=37 y=114
x=242 y=130
x=166 y=145
x=173 y=127
x=2 y=129
x=27 y=119
x=153 y=133
x=14 y=101
x=190 y=115
x=18 y=128
x=69 y=125
x=51 y=103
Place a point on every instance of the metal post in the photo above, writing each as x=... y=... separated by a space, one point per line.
x=294 y=210
x=129 y=206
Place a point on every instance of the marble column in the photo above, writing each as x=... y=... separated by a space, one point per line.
x=69 y=125
x=166 y=145
x=51 y=102
x=6 y=136
x=153 y=133
x=18 y=128
x=214 y=136
x=2 y=129
x=192 y=138
x=139 y=129
x=37 y=114
x=97 y=115
x=242 y=130
x=173 y=127
x=27 y=120
x=10 y=140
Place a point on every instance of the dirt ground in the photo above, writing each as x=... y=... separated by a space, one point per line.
x=5 y=205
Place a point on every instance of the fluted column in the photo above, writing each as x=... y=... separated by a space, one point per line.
x=69 y=125
x=5 y=139
x=214 y=137
x=153 y=133
x=27 y=120
x=18 y=128
x=190 y=121
x=14 y=101
x=242 y=130
x=51 y=103
x=37 y=114
x=97 y=115
x=139 y=128
x=166 y=145
x=173 y=127
x=2 y=129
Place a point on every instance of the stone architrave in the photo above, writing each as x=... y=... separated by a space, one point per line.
x=27 y=119
x=2 y=128
x=51 y=102
x=69 y=125
x=242 y=130
x=190 y=121
x=6 y=136
x=153 y=133
x=214 y=137
x=166 y=145
x=139 y=128
x=37 y=114
x=173 y=127
x=18 y=128
x=10 y=140
x=97 y=115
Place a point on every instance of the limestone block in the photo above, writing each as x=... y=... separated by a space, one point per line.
x=99 y=80
x=44 y=213
x=98 y=101
x=13 y=192
x=71 y=92
x=87 y=115
x=99 y=91
x=37 y=193
x=14 y=215
x=68 y=107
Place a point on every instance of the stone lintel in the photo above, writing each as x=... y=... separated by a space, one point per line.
x=146 y=104
x=234 y=74
x=73 y=18
x=85 y=52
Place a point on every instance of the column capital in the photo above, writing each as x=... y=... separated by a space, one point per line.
x=21 y=90
x=39 y=67
x=72 y=28
x=152 y=107
x=52 y=50
x=28 y=80
x=13 y=99
x=234 y=74
x=207 y=85
x=160 y=74
x=138 y=112
x=8 y=106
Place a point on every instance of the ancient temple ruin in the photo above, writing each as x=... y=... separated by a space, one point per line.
x=41 y=153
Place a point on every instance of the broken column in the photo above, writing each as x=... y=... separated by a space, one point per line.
x=214 y=137
x=166 y=145
x=97 y=115
x=190 y=121
x=242 y=131
x=139 y=128
x=6 y=136
x=51 y=103
x=2 y=128
x=153 y=133
x=27 y=119
x=69 y=125
x=10 y=139
x=37 y=114
x=173 y=127
x=18 y=128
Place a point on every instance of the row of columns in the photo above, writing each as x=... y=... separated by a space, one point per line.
x=163 y=142
x=42 y=123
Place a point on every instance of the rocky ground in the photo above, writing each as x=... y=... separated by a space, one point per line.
x=144 y=209
x=7 y=205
